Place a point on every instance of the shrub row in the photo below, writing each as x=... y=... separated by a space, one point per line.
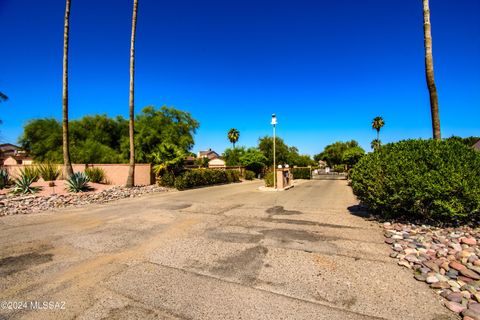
x=205 y=177
x=301 y=173
x=249 y=175
x=428 y=180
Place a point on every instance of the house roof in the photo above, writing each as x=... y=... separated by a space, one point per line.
x=476 y=146
x=208 y=153
x=8 y=147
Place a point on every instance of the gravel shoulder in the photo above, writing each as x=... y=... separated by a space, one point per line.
x=224 y=252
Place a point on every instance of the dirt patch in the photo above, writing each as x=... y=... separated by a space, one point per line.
x=279 y=210
x=244 y=266
x=173 y=206
x=236 y=237
x=296 y=235
x=308 y=223
x=14 y=264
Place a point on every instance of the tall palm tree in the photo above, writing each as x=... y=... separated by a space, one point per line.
x=432 y=89
x=377 y=124
x=131 y=169
x=233 y=136
x=375 y=144
x=68 y=170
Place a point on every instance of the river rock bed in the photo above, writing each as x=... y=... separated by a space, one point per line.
x=10 y=205
x=447 y=259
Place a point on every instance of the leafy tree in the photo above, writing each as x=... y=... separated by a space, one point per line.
x=254 y=160
x=166 y=125
x=377 y=124
x=42 y=138
x=352 y=155
x=432 y=89
x=233 y=136
x=265 y=145
x=65 y=135
x=375 y=144
x=202 y=162
x=333 y=153
x=131 y=170
x=296 y=159
x=232 y=156
x=469 y=141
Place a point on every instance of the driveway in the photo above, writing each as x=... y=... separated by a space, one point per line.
x=226 y=252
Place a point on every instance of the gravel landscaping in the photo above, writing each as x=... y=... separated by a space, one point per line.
x=447 y=259
x=10 y=205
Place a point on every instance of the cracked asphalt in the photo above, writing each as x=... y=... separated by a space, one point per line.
x=224 y=252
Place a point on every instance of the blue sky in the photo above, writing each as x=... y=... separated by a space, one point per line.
x=326 y=68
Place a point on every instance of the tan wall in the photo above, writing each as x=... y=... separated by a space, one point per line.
x=116 y=174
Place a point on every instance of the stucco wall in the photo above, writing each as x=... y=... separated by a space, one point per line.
x=116 y=174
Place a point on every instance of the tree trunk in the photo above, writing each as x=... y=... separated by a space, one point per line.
x=427 y=30
x=131 y=170
x=68 y=170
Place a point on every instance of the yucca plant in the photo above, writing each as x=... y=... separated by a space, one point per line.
x=23 y=185
x=49 y=171
x=95 y=175
x=3 y=178
x=30 y=172
x=78 y=182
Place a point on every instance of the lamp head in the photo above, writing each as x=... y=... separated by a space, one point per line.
x=274 y=119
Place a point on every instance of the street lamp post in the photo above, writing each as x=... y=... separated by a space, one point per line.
x=274 y=122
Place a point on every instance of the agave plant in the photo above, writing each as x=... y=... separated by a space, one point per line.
x=78 y=182
x=23 y=185
x=3 y=178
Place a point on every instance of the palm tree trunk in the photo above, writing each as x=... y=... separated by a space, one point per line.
x=427 y=30
x=131 y=170
x=378 y=134
x=68 y=170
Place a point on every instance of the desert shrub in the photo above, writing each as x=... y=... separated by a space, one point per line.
x=95 y=175
x=268 y=179
x=301 y=173
x=23 y=184
x=429 y=180
x=30 y=172
x=249 y=175
x=78 y=182
x=204 y=177
x=232 y=176
x=4 y=178
x=49 y=171
x=166 y=180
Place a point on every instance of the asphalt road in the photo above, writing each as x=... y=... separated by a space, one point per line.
x=226 y=252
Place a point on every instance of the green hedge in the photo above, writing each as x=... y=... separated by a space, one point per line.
x=428 y=180
x=268 y=179
x=301 y=173
x=249 y=175
x=205 y=177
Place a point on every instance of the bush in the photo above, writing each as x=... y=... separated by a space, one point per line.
x=23 y=184
x=301 y=173
x=166 y=180
x=205 y=177
x=30 y=173
x=4 y=178
x=428 y=180
x=232 y=176
x=268 y=179
x=249 y=175
x=49 y=172
x=95 y=175
x=78 y=182
x=339 y=168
